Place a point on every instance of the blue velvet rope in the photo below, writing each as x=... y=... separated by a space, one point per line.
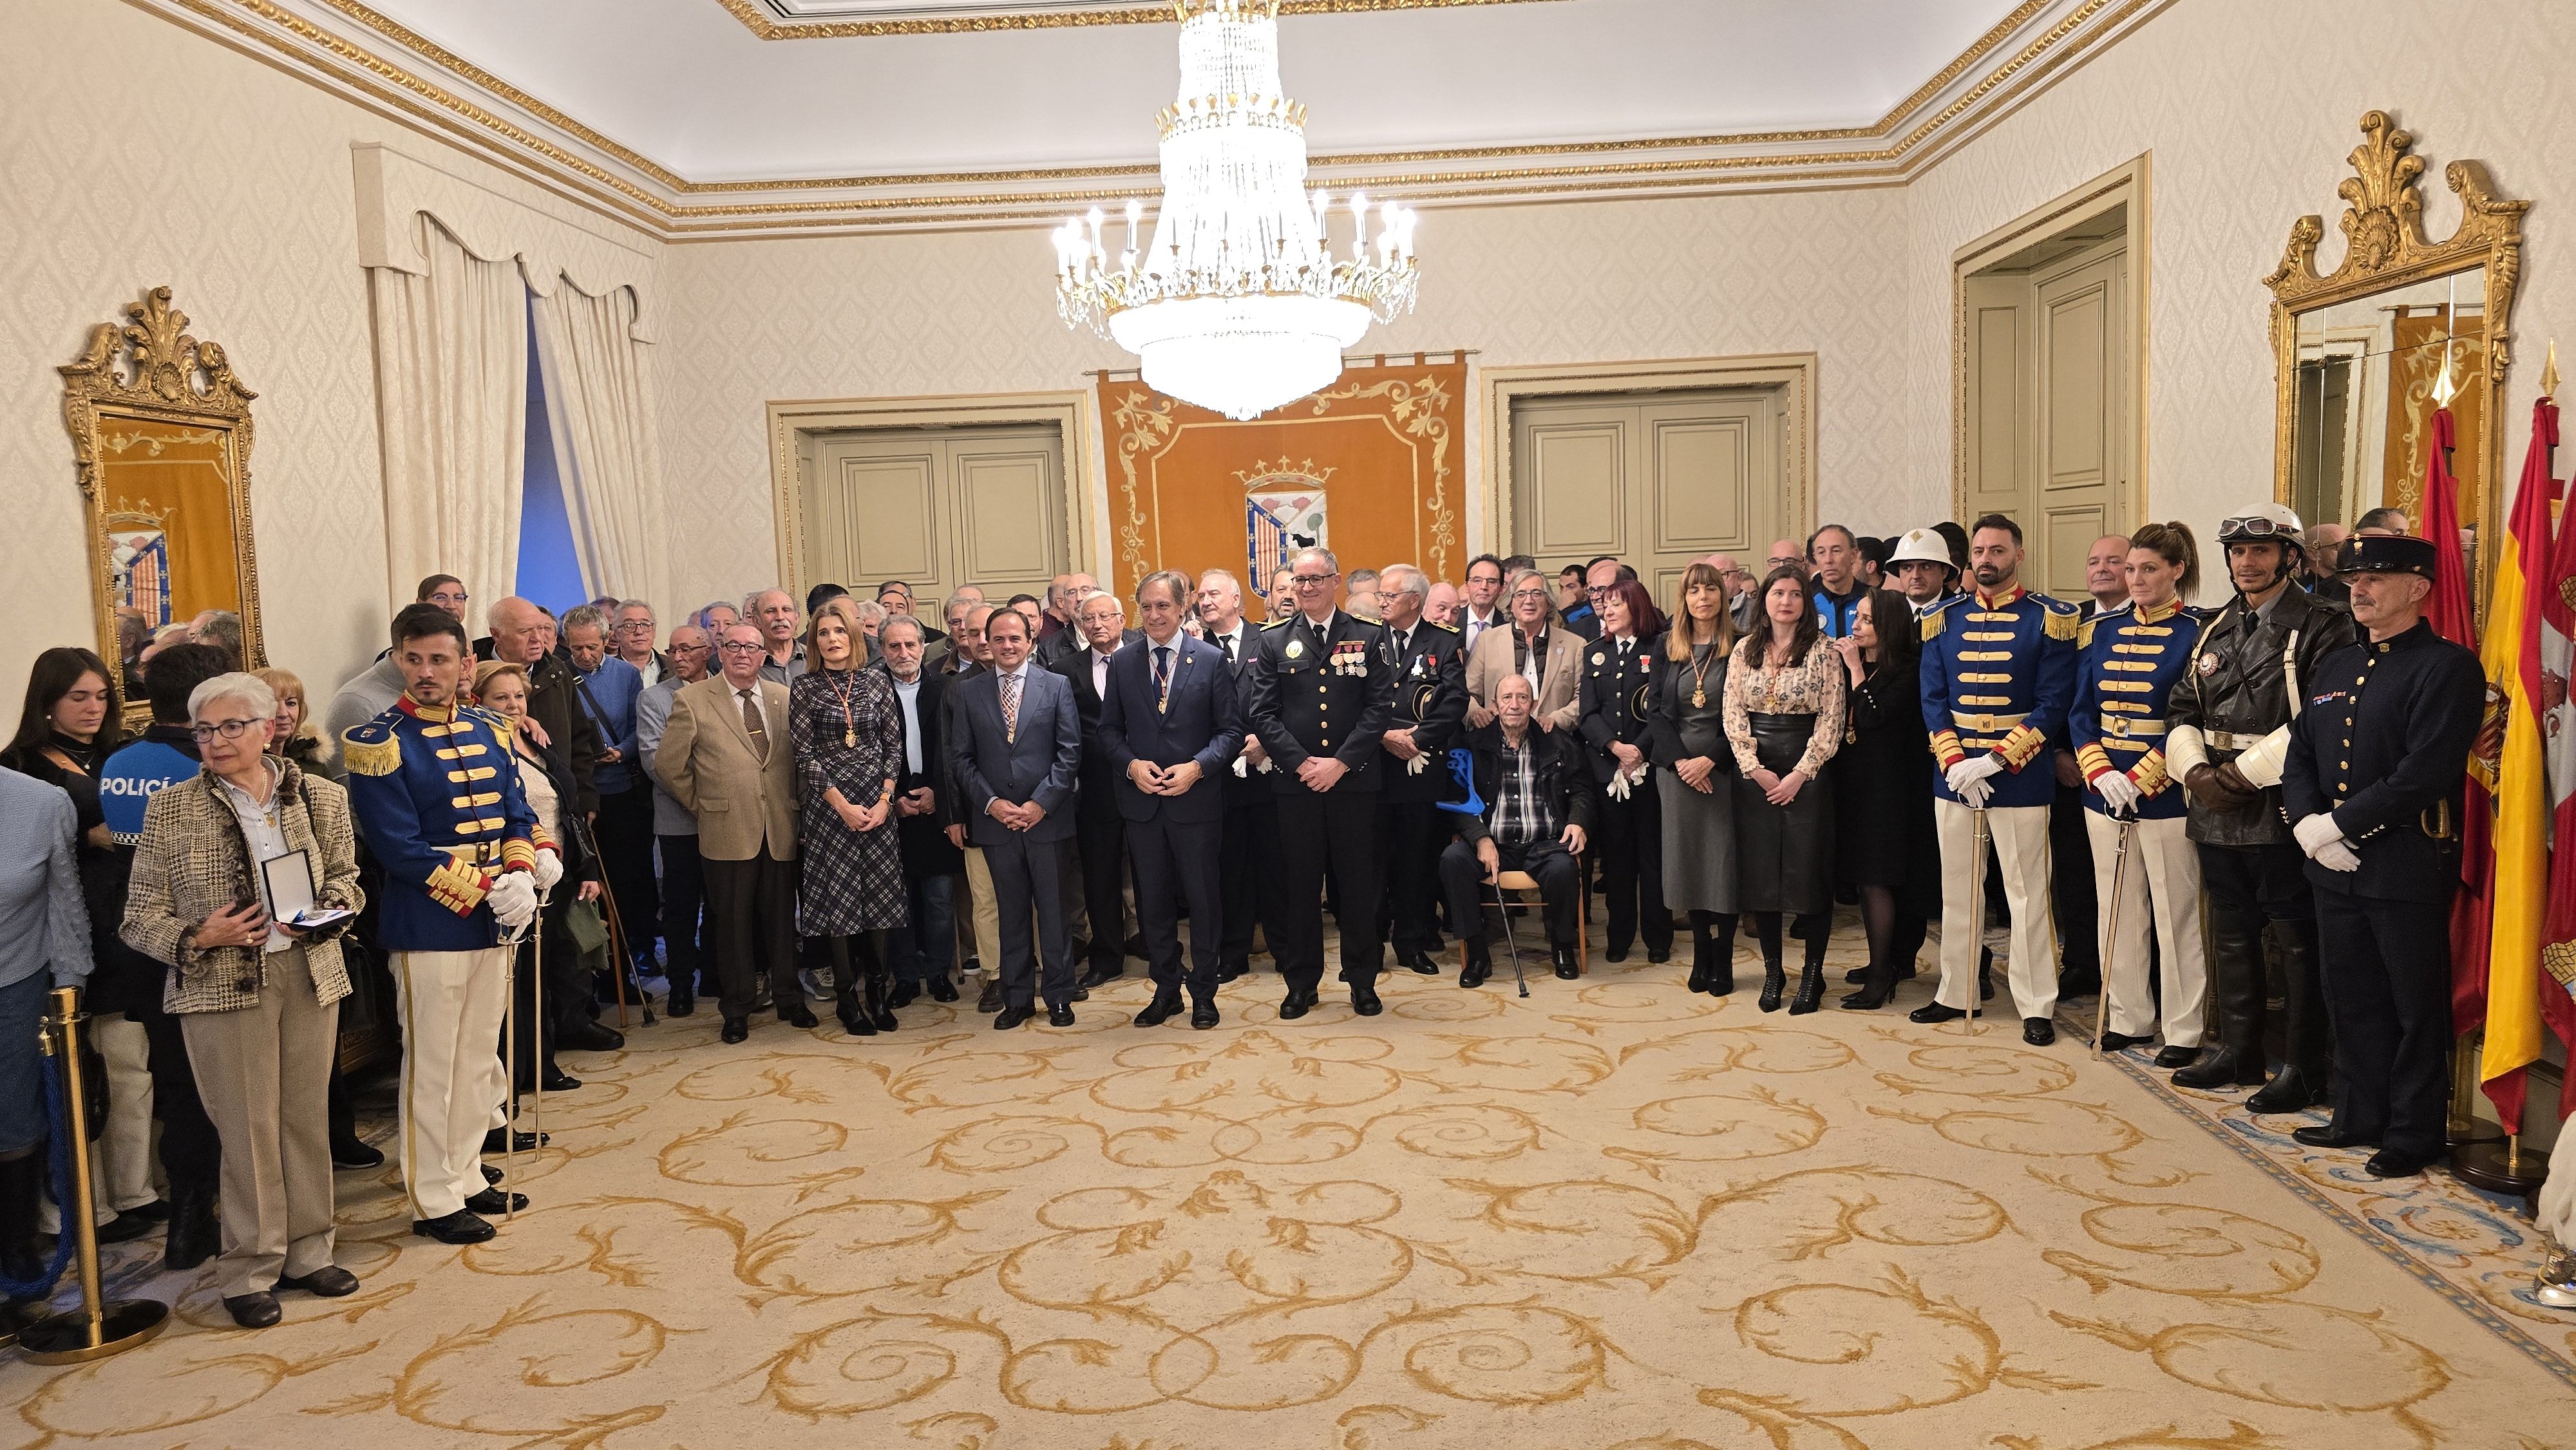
x=59 y=1147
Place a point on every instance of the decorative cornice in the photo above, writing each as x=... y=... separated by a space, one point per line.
x=540 y=140
x=757 y=18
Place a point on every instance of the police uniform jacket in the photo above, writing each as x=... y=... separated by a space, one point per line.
x=1323 y=691
x=435 y=791
x=1998 y=675
x=2234 y=703
x=2126 y=662
x=2383 y=743
x=1431 y=698
x=1617 y=698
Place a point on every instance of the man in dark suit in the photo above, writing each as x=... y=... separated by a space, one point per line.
x=1247 y=858
x=924 y=808
x=1100 y=832
x=1017 y=751
x=1320 y=696
x=1429 y=662
x=1170 y=726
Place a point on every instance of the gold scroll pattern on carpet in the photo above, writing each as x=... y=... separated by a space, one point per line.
x=1610 y=1215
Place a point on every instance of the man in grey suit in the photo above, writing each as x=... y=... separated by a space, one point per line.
x=1170 y=725
x=1015 y=754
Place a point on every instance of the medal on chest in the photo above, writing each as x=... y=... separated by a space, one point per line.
x=1350 y=657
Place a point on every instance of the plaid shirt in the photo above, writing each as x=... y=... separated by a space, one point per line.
x=1522 y=812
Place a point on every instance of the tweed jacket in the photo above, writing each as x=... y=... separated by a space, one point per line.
x=1560 y=703
x=745 y=809
x=193 y=862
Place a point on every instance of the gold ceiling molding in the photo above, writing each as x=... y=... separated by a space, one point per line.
x=652 y=196
x=757 y=18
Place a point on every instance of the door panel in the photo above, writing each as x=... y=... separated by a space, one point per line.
x=937 y=508
x=1658 y=479
x=2082 y=414
x=1575 y=464
x=877 y=516
x=1008 y=533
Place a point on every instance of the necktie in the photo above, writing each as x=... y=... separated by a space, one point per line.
x=1162 y=677
x=1011 y=707
x=1403 y=642
x=1227 y=642
x=753 y=723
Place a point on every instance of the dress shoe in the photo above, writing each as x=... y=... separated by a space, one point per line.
x=679 y=1003
x=990 y=1000
x=2038 y=1031
x=1231 y=968
x=494 y=1200
x=2177 y=1056
x=460 y=1227
x=2289 y=1091
x=1297 y=1004
x=2327 y=1135
x=854 y=1021
x=1059 y=1014
x=1480 y=964
x=1618 y=952
x=561 y=1082
x=1869 y=999
x=1101 y=976
x=252 y=1311
x=194 y=1236
x=1165 y=1006
x=2396 y=1163
x=327 y=1282
x=526 y=1142
x=1659 y=955
x=1364 y=998
x=798 y=1016
x=491 y=1174
x=942 y=989
x=1857 y=976
x=1011 y=1017
x=1418 y=961
x=1567 y=968
x=588 y=1036
x=2120 y=1041
x=125 y=1228
x=903 y=994
x=1134 y=945
x=1081 y=993
x=2221 y=1067
x=735 y=1029
x=1933 y=1012
x=356 y=1153
x=1203 y=1013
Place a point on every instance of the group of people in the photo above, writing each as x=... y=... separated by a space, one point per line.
x=847 y=790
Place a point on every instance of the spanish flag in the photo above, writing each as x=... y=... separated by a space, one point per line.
x=2510 y=767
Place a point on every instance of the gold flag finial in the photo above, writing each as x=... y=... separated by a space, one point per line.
x=2446 y=387
x=2549 y=372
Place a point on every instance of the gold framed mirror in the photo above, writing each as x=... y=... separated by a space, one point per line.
x=161 y=434
x=2363 y=355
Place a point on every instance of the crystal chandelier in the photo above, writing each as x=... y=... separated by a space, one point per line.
x=1238 y=303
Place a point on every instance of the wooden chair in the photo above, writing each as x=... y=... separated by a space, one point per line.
x=1524 y=887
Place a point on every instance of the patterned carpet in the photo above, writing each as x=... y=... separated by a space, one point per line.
x=1608 y=1215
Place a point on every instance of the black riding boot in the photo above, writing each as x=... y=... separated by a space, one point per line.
x=1717 y=928
x=1817 y=929
x=856 y=1020
x=876 y=979
x=2236 y=965
x=2308 y=1040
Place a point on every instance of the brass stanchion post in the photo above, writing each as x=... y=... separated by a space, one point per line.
x=101 y=1326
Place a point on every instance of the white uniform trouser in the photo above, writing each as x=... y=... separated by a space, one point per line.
x=2020 y=843
x=122 y=1177
x=451 y=1019
x=2164 y=865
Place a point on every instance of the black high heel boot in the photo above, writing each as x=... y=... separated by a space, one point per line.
x=1700 y=954
x=878 y=980
x=1766 y=930
x=855 y=1018
x=1811 y=978
x=1721 y=953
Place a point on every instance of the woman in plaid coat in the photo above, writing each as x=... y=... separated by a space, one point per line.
x=847 y=730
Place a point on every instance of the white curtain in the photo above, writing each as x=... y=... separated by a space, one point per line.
x=452 y=405
x=599 y=407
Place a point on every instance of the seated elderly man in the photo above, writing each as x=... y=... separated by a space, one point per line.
x=1537 y=796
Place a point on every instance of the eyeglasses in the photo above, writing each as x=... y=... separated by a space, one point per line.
x=1305 y=579
x=690 y=649
x=737 y=647
x=444 y=597
x=229 y=729
x=1539 y=594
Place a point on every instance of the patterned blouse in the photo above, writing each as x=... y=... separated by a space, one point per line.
x=1815 y=688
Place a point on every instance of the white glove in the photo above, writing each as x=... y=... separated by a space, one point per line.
x=549 y=870
x=1972 y=770
x=2313 y=832
x=513 y=900
x=2557 y=1214
x=1975 y=794
x=1417 y=765
x=1242 y=767
x=2337 y=855
x=2117 y=791
x=1618 y=788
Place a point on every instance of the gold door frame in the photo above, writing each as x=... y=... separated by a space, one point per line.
x=2383 y=225
x=148 y=368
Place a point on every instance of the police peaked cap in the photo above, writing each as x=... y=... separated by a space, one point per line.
x=2385 y=554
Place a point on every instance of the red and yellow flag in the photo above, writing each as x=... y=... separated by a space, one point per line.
x=2447 y=610
x=2509 y=767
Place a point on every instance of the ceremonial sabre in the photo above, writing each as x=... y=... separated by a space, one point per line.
x=1978 y=841
x=2111 y=929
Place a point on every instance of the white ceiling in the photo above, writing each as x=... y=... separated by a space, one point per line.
x=689 y=86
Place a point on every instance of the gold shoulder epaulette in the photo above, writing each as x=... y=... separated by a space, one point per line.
x=2062 y=623
x=1444 y=628
x=1931 y=627
x=2084 y=633
x=1270 y=624
x=372 y=749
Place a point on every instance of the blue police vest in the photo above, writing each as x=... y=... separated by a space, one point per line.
x=132 y=776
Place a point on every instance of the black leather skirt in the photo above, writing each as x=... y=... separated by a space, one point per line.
x=1784 y=854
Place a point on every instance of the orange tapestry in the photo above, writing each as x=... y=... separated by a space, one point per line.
x=2415 y=362
x=1371 y=468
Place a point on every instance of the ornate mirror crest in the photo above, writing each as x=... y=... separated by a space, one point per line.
x=2387 y=253
x=161 y=434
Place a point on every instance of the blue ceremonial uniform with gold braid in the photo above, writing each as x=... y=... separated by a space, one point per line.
x=1998 y=674
x=2127 y=661
x=436 y=793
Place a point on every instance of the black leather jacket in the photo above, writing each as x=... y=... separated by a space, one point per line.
x=2235 y=693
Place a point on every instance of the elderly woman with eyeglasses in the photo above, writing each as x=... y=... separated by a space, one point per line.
x=1539 y=648
x=243 y=880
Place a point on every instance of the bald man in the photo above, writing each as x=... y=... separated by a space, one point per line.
x=2323 y=542
x=2106 y=575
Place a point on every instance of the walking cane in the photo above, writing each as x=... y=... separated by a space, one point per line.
x=2111 y=928
x=1511 y=942
x=537 y=998
x=1979 y=839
